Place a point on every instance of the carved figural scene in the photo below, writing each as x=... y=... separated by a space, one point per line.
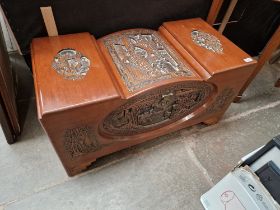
x=71 y=64
x=142 y=57
x=206 y=40
x=156 y=108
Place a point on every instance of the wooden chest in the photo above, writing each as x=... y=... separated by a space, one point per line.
x=95 y=97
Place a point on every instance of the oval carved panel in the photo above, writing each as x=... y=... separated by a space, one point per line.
x=207 y=41
x=156 y=108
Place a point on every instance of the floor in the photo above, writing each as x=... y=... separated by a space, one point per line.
x=170 y=172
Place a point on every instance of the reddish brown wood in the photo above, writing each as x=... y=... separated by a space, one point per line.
x=214 y=11
x=7 y=95
x=60 y=94
x=270 y=47
x=277 y=83
x=227 y=15
x=100 y=114
x=231 y=57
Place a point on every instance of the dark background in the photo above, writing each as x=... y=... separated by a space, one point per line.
x=253 y=21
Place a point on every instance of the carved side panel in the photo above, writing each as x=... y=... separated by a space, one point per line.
x=156 y=108
x=79 y=141
x=142 y=58
x=222 y=100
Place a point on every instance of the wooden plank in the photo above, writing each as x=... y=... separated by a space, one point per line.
x=49 y=21
x=214 y=11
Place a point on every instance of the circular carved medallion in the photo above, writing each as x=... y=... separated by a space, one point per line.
x=71 y=64
x=156 y=108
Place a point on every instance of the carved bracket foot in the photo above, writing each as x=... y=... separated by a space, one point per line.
x=212 y=121
x=237 y=99
x=277 y=83
x=72 y=171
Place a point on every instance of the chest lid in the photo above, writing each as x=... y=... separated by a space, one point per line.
x=142 y=58
x=69 y=72
x=210 y=48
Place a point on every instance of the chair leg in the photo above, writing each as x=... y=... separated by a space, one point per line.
x=277 y=83
x=214 y=10
x=270 y=47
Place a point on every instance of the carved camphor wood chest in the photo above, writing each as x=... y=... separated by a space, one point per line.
x=95 y=97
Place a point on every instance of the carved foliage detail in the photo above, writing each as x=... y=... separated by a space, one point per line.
x=71 y=64
x=142 y=57
x=156 y=108
x=80 y=140
x=223 y=99
x=207 y=41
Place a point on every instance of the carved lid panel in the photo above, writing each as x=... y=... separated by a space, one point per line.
x=142 y=58
x=156 y=108
x=211 y=49
x=67 y=70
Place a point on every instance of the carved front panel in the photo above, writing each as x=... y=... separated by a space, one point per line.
x=156 y=108
x=142 y=57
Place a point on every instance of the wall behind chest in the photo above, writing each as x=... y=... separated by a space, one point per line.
x=99 y=17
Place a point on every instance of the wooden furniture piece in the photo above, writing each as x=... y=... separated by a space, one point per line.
x=8 y=109
x=277 y=83
x=273 y=60
x=214 y=11
x=270 y=47
x=95 y=97
x=227 y=15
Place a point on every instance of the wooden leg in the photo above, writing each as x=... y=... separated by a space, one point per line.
x=211 y=121
x=72 y=171
x=227 y=15
x=237 y=99
x=214 y=11
x=270 y=47
x=274 y=58
x=277 y=83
